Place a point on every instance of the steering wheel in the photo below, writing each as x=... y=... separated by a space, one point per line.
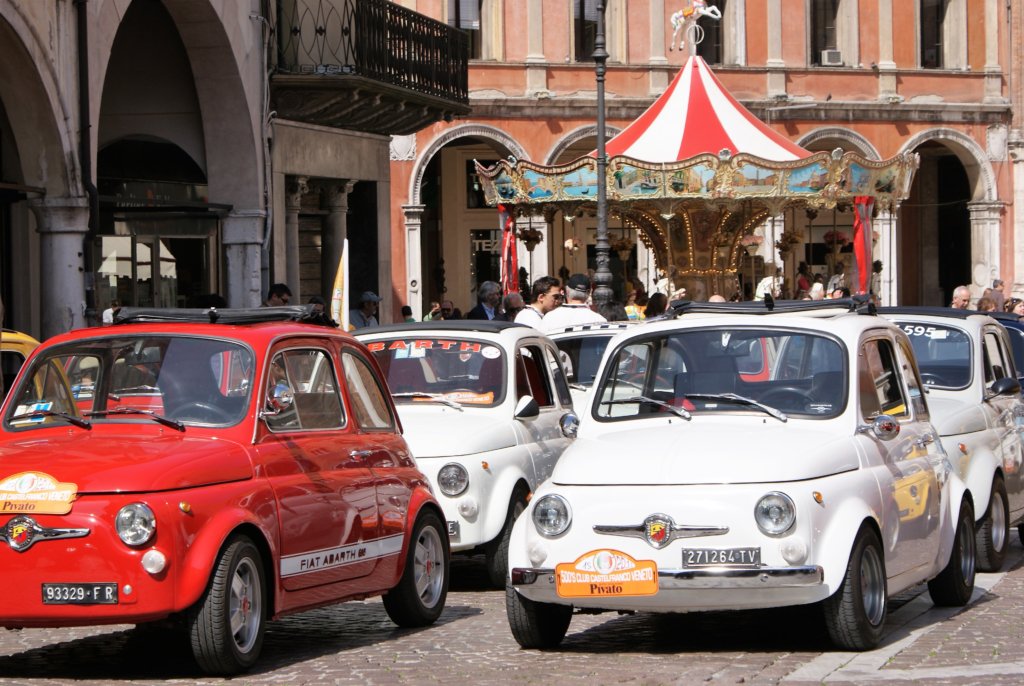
x=786 y=396
x=932 y=379
x=200 y=411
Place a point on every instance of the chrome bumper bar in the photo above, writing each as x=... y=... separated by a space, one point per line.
x=701 y=577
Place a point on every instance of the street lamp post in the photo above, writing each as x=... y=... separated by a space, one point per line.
x=602 y=275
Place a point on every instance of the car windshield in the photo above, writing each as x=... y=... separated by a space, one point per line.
x=125 y=378
x=944 y=354
x=427 y=369
x=772 y=372
x=581 y=357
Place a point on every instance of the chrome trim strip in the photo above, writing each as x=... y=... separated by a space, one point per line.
x=677 y=530
x=22 y=532
x=702 y=577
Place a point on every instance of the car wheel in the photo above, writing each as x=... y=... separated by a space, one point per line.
x=226 y=625
x=955 y=584
x=1020 y=533
x=994 y=533
x=497 y=550
x=419 y=597
x=855 y=614
x=533 y=624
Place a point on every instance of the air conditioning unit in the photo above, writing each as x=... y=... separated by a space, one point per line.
x=831 y=58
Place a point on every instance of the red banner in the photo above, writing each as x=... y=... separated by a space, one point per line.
x=509 y=252
x=862 y=239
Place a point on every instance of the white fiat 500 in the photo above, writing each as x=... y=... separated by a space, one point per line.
x=735 y=460
x=481 y=404
x=966 y=366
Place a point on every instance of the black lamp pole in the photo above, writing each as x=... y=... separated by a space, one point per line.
x=603 y=275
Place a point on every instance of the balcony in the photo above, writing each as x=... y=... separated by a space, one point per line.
x=367 y=65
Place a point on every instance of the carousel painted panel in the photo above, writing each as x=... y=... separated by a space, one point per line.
x=632 y=181
x=754 y=179
x=807 y=180
x=691 y=181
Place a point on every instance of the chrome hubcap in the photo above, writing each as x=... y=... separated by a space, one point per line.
x=428 y=567
x=245 y=610
x=872 y=586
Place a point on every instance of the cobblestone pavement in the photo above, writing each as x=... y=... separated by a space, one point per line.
x=355 y=643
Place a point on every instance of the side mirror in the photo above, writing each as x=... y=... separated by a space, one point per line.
x=1004 y=386
x=280 y=398
x=527 y=408
x=884 y=427
x=570 y=424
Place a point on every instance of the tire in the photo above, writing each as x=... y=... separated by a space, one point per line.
x=497 y=550
x=855 y=614
x=536 y=625
x=226 y=625
x=955 y=583
x=419 y=597
x=994 y=534
x=1020 y=533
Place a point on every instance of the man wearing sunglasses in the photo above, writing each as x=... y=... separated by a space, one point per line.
x=546 y=296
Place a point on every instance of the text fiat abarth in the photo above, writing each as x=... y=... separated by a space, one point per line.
x=693 y=485
x=966 y=365
x=481 y=403
x=208 y=477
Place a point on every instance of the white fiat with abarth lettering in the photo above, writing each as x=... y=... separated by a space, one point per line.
x=732 y=460
x=481 y=403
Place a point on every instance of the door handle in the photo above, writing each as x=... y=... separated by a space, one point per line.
x=924 y=441
x=356 y=458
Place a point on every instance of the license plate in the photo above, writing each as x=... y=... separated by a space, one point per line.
x=715 y=557
x=453 y=530
x=80 y=594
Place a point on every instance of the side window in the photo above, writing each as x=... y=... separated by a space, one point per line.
x=558 y=374
x=997 y=363
x=365 y=394
x=879 y=381
x=47 y=390
x=914 y=387
x=307 y=376
x=532 y=377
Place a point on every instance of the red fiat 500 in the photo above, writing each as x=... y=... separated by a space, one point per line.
x=210 y=476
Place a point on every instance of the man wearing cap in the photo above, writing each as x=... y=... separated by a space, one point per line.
x=364 y=316
x=575 y=310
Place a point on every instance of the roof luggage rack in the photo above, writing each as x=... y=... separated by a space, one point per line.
x=486 y=325
x=227 y=315
x=931 y=311
x=860 y=304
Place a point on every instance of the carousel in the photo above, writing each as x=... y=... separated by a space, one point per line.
x=696 y=176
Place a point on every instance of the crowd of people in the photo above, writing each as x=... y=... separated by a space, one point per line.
x=992 y=300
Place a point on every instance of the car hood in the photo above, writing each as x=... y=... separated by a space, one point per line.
x=433 y=430
x=691 y=453
x=122 y=463
x=952 y=416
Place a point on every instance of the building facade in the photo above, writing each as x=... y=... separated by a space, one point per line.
x=940 y=78
x=181 y=153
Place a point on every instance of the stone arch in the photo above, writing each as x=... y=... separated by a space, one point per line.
x=859 y=143
x=575 y=136
x=490 y=133
x=971 y=155
x=43 y=127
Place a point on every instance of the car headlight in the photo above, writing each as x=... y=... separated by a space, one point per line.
x=135 y=523
x=551 y=515
x=775 y=514
x=452 y=479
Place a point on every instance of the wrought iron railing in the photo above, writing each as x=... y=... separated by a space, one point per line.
x=376 y=39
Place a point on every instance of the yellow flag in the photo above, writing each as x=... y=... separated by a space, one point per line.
x=339 y=294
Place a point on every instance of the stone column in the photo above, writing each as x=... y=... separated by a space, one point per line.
x=335 y=230
x=985 y=229
x=536 y=262
x=385 y=252
x=659 y=25
x=413 y=257
x=1016 y=147
x=776 y=64
x=536 y=69
x=242 y=238
x=297 y=186
x=885 y=225
x=63 y=224
x=886 y=65
x=993 y=72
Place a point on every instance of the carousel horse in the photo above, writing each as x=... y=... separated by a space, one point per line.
x=687 y=17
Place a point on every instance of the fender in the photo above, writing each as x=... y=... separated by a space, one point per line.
x=420 y=500
x=957 y=494
x=198 y=560
x=501 y=492
x=978 y=478
x=835 y=542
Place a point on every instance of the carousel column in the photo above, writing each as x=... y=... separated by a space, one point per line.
x=62 y=224
x=885 y=225
x=536 y=263
x=413 y=257
x=985 y=229
x=335 y=231
x=297 y=187
x=242 y=237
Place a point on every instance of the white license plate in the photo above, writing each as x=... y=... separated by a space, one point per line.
x=716 y=557
x=80 y=594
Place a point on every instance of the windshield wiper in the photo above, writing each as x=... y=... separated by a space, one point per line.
x=681 y=411
x=70 y=418
x=166 y=421
x=437 y=397
x=742 y=400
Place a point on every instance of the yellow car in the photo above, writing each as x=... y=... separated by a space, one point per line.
x=14 y=349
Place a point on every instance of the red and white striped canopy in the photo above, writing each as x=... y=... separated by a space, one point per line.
x=697 y=115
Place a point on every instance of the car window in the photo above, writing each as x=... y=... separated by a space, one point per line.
x=558 y=377
x=1017 y=347
x=998 y=364
x=944 y=354
x=45 y=390
x=581 y=357
x=532 y=376
x=879 y=379
x=470 y=372
x=307 y=377
x=366 y=394
x=914 y=389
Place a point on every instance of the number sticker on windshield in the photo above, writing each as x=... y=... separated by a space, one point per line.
x=921 y=330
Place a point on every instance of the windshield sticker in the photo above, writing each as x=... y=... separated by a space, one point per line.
x=37 y=493
x=426 y=344
x=30 y=408
x=928 y=331
x=463 y=398
x=606 y=573
x=491 y=353
x=820 y=408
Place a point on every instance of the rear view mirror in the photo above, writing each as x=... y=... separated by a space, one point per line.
x=527 y=408
x=1004 y=386
x=280 y=398
x=884 y=427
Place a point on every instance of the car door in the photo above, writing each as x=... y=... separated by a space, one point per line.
x=536 y=367
x=309 y=449
x=1001 y=413
x=907 y=466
